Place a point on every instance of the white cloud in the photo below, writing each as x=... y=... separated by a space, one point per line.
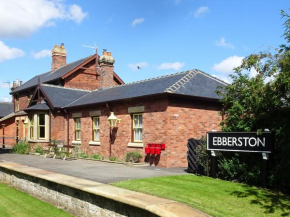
x=5 y=99
x=227 y=65
x=7 y=53
x=138 y=21
x=175 y=66
x=222 y=43
x=76 y=13
x=224 y=78
x=22 y=18
x=201 y=11
x=133 y=66
x=41 y=54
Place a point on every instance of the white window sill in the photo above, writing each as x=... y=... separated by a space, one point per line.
x=135 y=144
x=76 y=142
x=95 y=143
x=38 y=140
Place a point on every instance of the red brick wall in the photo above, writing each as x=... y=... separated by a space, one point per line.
x=58 y=127
x=23 y=100
x=153 y=129
x=83 y=79
x=171 y=122
x=188 y=118
x=9 y=132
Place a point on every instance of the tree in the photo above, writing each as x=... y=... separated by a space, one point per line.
x=258 y=103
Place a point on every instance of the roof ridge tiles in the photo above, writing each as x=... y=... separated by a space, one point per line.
x=181 y=82
x=144 y=80
x=67 y=88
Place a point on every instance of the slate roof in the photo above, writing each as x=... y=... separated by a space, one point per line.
x=50 y=76
x=61 y=96
x=38 y=107
x=6 y=108
x=189 y=83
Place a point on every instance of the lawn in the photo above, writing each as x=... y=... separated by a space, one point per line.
x=212 y=196
x=16 y=203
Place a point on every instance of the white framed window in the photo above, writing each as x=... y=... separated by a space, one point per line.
x=137 y=128
x=96 y=128
x=41 y=126
x=31 y=127
x=78 y=129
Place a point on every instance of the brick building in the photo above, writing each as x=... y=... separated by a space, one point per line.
x=71 y=104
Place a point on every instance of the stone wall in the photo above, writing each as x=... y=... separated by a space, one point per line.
x=75 y=201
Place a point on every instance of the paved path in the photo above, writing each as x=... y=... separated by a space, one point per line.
x=91 y=170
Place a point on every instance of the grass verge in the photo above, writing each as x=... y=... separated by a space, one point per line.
x=212 y=196
x=16 y=203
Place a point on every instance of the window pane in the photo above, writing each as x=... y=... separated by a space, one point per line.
x=140 y=120
x=136 y=135
x=41 y=119
x=96 y=135
x=136 y=121
x=78 y=135
x=41 y=132
x=140 y=134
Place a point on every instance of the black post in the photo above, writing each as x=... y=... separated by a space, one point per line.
x=110 y=150
x=213 y=164
x=264 y=169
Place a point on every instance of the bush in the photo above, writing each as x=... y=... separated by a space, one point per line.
x=83 y=155
x=203 y=158
x=97 y=157
x=113 y=158
x=38 y=149
x=133 y=156
x=21 y=148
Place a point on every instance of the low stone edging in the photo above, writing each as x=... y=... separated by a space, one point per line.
x=82 y=197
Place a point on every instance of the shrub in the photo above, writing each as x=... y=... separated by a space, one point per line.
x=203 y=158
x=133 y=156
x=21 y=148
x=113 y=158
x=97 y=157
x=83 y=155
x=38 y=149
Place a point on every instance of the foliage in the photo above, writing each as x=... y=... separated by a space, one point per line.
x=204 y=158
x=83 y=155
x=113 y=158
x=213 y=196
x=21 y=148
x=97 y=157
x=257 y=103
x=133 y=156
x=38 y=149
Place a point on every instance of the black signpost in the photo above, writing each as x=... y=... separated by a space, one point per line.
x=241 y=142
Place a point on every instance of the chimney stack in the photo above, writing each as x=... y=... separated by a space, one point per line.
x=106 y=62
x=58 y=57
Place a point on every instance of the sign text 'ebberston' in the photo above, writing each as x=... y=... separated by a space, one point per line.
x=240 y=141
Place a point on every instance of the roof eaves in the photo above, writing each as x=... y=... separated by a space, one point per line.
x=8 y=116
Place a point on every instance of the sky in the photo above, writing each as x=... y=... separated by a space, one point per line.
x=159 y=36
